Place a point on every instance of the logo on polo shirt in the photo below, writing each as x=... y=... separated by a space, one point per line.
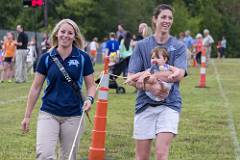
x=171 y=48
x=73 y=62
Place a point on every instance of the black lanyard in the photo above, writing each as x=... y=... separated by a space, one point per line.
x=69 y=80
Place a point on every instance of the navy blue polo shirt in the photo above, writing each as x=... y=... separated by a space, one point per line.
x=59 y=98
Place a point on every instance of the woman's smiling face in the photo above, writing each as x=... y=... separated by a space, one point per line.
x=65 y=35
x=164 y=21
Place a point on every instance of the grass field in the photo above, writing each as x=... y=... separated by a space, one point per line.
x=209 y=127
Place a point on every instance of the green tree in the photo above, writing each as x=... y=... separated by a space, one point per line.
x=183 y=20
x=9 y=13
x=230 y=26
x=132 y=14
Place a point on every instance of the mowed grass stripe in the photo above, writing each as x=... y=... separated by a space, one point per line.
x=230 y=115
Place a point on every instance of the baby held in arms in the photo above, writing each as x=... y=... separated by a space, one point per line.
x=150 y=80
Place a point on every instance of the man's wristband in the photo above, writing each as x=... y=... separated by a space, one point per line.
x=91 y=99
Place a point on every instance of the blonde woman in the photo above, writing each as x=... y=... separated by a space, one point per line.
x=61 y=108
x=145 y=30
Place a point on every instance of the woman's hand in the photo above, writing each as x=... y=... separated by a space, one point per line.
x=87 y=105
x=171 y=77
x=86 y=108
x=160 y=61
x=25 y=125
x=140 y=85
x=133 y=78
x=144 y=75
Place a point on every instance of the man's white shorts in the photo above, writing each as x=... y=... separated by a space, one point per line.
x=154 y=120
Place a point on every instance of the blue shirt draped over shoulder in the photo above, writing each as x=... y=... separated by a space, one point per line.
x=59 y=98
x=141 y=60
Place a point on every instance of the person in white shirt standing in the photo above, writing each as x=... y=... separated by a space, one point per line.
x=223 y=46
x=32 y=55
x=93 y=46
x=207 y=44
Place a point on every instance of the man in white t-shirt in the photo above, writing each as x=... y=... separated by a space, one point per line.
x=207 y=43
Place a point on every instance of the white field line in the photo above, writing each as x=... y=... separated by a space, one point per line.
x=232 y=64
x=13 y=100
x=229 y=112
x=225 y=79
x=229 y=79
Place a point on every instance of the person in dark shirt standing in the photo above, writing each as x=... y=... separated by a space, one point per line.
x=21 y=55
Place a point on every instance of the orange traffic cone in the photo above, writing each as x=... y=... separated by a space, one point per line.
x=202 y=82
x=97 y=149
